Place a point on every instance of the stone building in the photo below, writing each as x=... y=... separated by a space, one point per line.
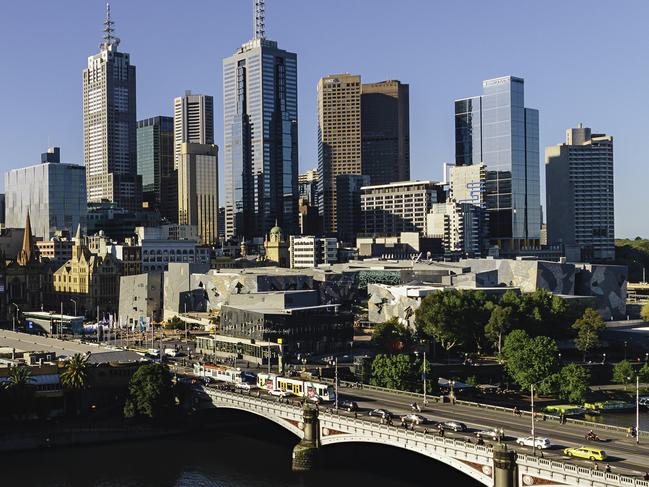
x=276 y=247
x=89 y=279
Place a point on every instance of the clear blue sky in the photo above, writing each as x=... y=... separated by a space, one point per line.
x=581 y=63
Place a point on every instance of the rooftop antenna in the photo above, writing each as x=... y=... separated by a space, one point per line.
x=260 y=19
x=109 y=28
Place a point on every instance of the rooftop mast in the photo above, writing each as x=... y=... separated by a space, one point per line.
x=260 y=19
x=109 y=28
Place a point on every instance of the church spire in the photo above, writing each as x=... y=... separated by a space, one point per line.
x=109 y=39
x=25 y=255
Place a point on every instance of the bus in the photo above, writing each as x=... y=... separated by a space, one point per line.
x=229 y=375
x=299 y=387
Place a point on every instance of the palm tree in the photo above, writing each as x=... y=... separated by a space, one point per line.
x=20 y=390
x=75 y=377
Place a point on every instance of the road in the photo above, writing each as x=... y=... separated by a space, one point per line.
x=625 y=456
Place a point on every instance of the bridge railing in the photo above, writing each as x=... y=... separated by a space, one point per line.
x=581 y=472
x=590 y=425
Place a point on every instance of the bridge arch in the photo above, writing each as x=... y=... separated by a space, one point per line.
x=482 y=476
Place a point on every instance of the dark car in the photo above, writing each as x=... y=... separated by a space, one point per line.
x=348 y=406
x=380 y=413
x=453 y=426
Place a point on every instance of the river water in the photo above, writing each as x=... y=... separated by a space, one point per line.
x=257 y=454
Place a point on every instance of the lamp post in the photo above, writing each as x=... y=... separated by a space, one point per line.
x=603 y=358
x=336 y=370
x=15 y=314
x=637 y=409
x=424 y=374
x=75 y=307
x=625 y=345
x=533 y=432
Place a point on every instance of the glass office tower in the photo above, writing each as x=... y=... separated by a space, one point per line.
x=496 y=129
x=260 y=139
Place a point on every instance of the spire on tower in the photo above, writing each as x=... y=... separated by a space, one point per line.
x=109 y=28
x=260 y=19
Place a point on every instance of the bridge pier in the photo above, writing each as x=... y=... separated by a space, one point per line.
x=305 y=453
x=505 y=474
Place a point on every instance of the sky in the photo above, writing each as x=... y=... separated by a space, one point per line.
x=580 y=64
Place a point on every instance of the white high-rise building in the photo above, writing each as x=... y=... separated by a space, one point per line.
x=110 y=125
x=193 y=121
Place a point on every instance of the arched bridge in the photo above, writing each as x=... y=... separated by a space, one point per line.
x=492 y=466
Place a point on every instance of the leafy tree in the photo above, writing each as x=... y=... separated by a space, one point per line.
x=498 y=324
x=393 y=371
x=150 y=392
x=455 y=319
x=574 y=383
x=644 y=312
x=75 y=377
x=623 y=372
x=588 y=327
x=392 y=336
x=643 y=373
x=531 y=361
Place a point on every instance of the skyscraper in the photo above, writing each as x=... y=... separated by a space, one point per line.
x=339 y=140
x=193 y=121
x=260 y=136
x=155 y=164
x=385 y=128
x=198 y=189
x=579 y=192
x=109 y=125
x=496 y=129
x=51 y=193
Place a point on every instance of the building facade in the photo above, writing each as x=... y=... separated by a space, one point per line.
x=155 y=165
x=110 y=125
x=580 y=193
x=53 y=194
x=339 y=140
x=260 y=121
x=309 y=251
x=498 y=130
x=390 y=209
x=198 y=190
x=276 y=247
x=385 y=129
x=348 y=203
x=193 y=122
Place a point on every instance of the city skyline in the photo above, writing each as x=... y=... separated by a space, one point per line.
x=563 y=88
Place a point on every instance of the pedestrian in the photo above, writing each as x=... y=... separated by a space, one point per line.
x=515 y=411
x=595 y=466
x=628 y=432
x=607 y=469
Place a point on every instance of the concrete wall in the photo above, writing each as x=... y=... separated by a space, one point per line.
x=140 y=295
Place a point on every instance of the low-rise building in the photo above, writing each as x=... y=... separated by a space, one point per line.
x=140 y=296
x=310 y=251
x=406 y=245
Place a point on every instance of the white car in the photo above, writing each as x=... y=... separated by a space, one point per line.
x=492 y=434
x=280 y=393
x=538 y=442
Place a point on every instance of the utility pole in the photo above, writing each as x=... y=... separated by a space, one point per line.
x=425 y=399
x=268 y=358
x=533 y=435
x=336 y=373
x=637 y=409
x=61 y=323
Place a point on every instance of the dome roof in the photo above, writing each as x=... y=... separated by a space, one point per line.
x=275 y=230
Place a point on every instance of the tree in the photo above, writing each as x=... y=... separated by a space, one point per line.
x=75 y=377
x=531 y=361
x=455 y=319
x=643 y=373
x=394 y=371
x=588 y=327
x=574 y=383
x=392 y=336
x=20 y=390
x=623 y=372
x=644 y=312
x=150 y=392
x=498 y=324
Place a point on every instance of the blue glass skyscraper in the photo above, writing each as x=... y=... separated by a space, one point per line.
x=496 y=129
x=260 y=137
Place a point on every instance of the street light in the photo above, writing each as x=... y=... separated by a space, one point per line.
x=15 y=314
x=603 y=358
x=637 y=409
x=75 y=307
x=625 y=345
x=532 y=408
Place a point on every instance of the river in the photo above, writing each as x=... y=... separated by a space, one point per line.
x=255 y=454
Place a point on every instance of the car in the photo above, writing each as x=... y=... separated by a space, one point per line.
x=280 y=393
x=453 y=426
x=414 y=419
x=348 y=406
x=381 y=413
x=539 y=442
x=587 y=452
x=493 y=434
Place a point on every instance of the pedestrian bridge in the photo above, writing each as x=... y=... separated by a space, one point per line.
x=490 y=465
